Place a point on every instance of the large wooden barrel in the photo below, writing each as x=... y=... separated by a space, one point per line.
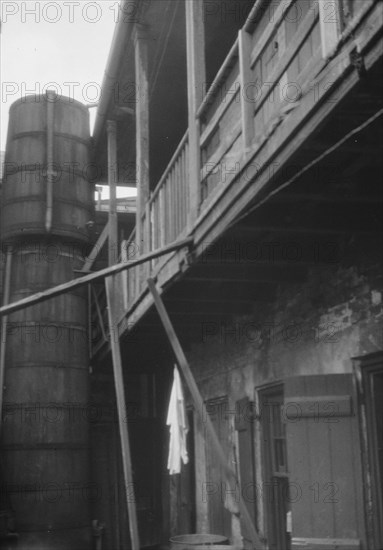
x=46 y=412
x=28 y=164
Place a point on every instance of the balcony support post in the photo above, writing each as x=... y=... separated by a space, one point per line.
x=111 y=129
x=142 y=126
x=196 y=71
x=140 y=38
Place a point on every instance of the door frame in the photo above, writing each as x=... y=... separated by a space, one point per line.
x=261 y=392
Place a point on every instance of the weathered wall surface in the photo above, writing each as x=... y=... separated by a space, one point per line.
x=315 y=328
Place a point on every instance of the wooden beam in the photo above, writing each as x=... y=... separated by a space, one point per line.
x=329 y=18
x=91 y=277
x=196 y=75
x=91 y=258
x=111 y=129
x=4 y=321
x=121 y=407
x=246 y=78
x=200 y=408
x=99 y=314
x=142 y=123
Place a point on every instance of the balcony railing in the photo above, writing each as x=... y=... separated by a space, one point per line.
x=268 y=70
x=164 y=220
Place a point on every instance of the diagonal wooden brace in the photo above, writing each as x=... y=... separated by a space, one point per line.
x=121 y=407
x=229 y=474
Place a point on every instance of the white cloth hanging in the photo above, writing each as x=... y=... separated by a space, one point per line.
x=178 y=426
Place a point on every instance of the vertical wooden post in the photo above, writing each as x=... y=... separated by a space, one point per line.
x=228 y=473
x=162 y=217
x=121 y=407
x=142 y=125
x=329 y=19
x=4 y=322
x=112 y=181
x=147 y=238
x=196 y=71
x=124 y=274
x=247 y=105
x=142 y=136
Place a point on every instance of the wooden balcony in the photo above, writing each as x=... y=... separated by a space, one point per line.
x=265 y=116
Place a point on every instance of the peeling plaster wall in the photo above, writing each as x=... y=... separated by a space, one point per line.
x=311 y=328
x=315 y=328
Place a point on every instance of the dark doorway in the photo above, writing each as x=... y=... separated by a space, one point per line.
x=187 y=511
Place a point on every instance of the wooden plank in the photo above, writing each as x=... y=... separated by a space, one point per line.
x=91 y=258
x=228 y=473
x=246 y=77
x=142 y=132
x=276 y=20
x=245 y=427
x=325 y=544
x=182 y=190
x=220 y=152
x=162 y=215
x=147 y=238
x=99 y=314
x=196 y=73
x=182 y=144
x=323 y=406
x=220 y=77
x=216 y=118
x=121 y=406
x=142 y=117
x=4 y=322
x=219 y=515
x=297 y=437
x=91 y=277
x=177 y=195
x=329 y=17
x=304 y=29
x=112 y=182
x=346 y=468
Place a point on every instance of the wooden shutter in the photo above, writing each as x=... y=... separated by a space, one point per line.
x=219 y=516
x=324 y=462
x=244 y=424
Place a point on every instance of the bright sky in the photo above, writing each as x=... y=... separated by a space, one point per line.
x=61 y=45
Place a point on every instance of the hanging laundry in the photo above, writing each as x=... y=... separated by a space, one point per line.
x=178 y=426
